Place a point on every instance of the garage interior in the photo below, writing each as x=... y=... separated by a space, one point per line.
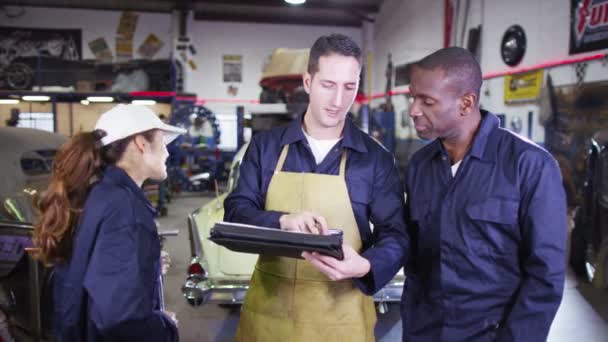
x=225 y=70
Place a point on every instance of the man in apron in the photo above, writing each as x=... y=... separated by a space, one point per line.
x=317 y=173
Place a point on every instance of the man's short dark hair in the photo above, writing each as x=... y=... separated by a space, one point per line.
x=458 y=64
x=338 y=44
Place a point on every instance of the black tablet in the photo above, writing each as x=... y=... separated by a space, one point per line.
x=270 y=241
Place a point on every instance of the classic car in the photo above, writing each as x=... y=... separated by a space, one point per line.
x=589 y=240
x=27 y=156
x=220 y=276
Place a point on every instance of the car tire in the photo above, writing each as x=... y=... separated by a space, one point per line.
x=19 y=76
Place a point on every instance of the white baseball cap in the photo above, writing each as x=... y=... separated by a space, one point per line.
x=126 y=119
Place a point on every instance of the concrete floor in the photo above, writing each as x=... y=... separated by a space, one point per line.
x=582 y=317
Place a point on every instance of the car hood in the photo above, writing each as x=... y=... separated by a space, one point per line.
x=220 y=261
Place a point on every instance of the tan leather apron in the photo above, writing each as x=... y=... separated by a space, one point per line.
x=288 y=299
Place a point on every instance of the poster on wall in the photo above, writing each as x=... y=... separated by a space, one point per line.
x=127 y=24
x=588 y=25
x=124 y=49
x=523 y=87
x=99 y=47
x=150 y=46
x=233 y=66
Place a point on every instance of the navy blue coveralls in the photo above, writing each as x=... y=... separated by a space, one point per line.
x=487 y=258
x=109 y=290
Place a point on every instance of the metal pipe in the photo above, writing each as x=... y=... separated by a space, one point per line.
x=36 y=323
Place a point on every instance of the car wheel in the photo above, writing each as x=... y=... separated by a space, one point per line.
x=19 y=76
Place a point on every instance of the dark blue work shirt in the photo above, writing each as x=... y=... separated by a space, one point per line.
x=375 y=189
x=109 y=290
x=487 y=258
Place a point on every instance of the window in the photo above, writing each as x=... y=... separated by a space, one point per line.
x=42 y=121
x=39 y=162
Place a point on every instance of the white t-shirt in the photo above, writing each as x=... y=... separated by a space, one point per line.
x=320 y=148
x=455 y=168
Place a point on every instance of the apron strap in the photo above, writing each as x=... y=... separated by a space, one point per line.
x=282 y=158
x=343 y=164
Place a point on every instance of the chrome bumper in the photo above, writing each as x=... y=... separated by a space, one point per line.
x=198 y=291
x=391 y=292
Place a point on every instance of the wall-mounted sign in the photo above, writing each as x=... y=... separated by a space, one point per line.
x=233 y=65
x=523 y=87
x=127 y=24
x=150 y=46
x=124 y=48
x=101 y=50
x=588 y=25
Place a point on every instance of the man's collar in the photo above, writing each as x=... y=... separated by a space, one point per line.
x=489 y=122
x=351 y=138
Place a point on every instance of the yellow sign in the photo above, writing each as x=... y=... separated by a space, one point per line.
x=150 y=46
x=126 y=26
x=523 y=87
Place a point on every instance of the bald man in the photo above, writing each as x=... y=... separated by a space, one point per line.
x=485 y=213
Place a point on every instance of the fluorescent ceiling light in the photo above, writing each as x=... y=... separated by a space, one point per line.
x=9 y=101
x=84 y=102
x=295 y=2
x=100 y=99
x=41 y=98
x=143 y=102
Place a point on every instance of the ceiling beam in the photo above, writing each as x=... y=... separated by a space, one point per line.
x=360 y=6
x=274 y=19
x=168 y=5
x=320 y=12
x=106 y=5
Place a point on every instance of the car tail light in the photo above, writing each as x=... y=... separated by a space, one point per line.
x=196 y=269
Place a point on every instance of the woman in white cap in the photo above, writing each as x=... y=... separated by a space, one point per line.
x=97 y=229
